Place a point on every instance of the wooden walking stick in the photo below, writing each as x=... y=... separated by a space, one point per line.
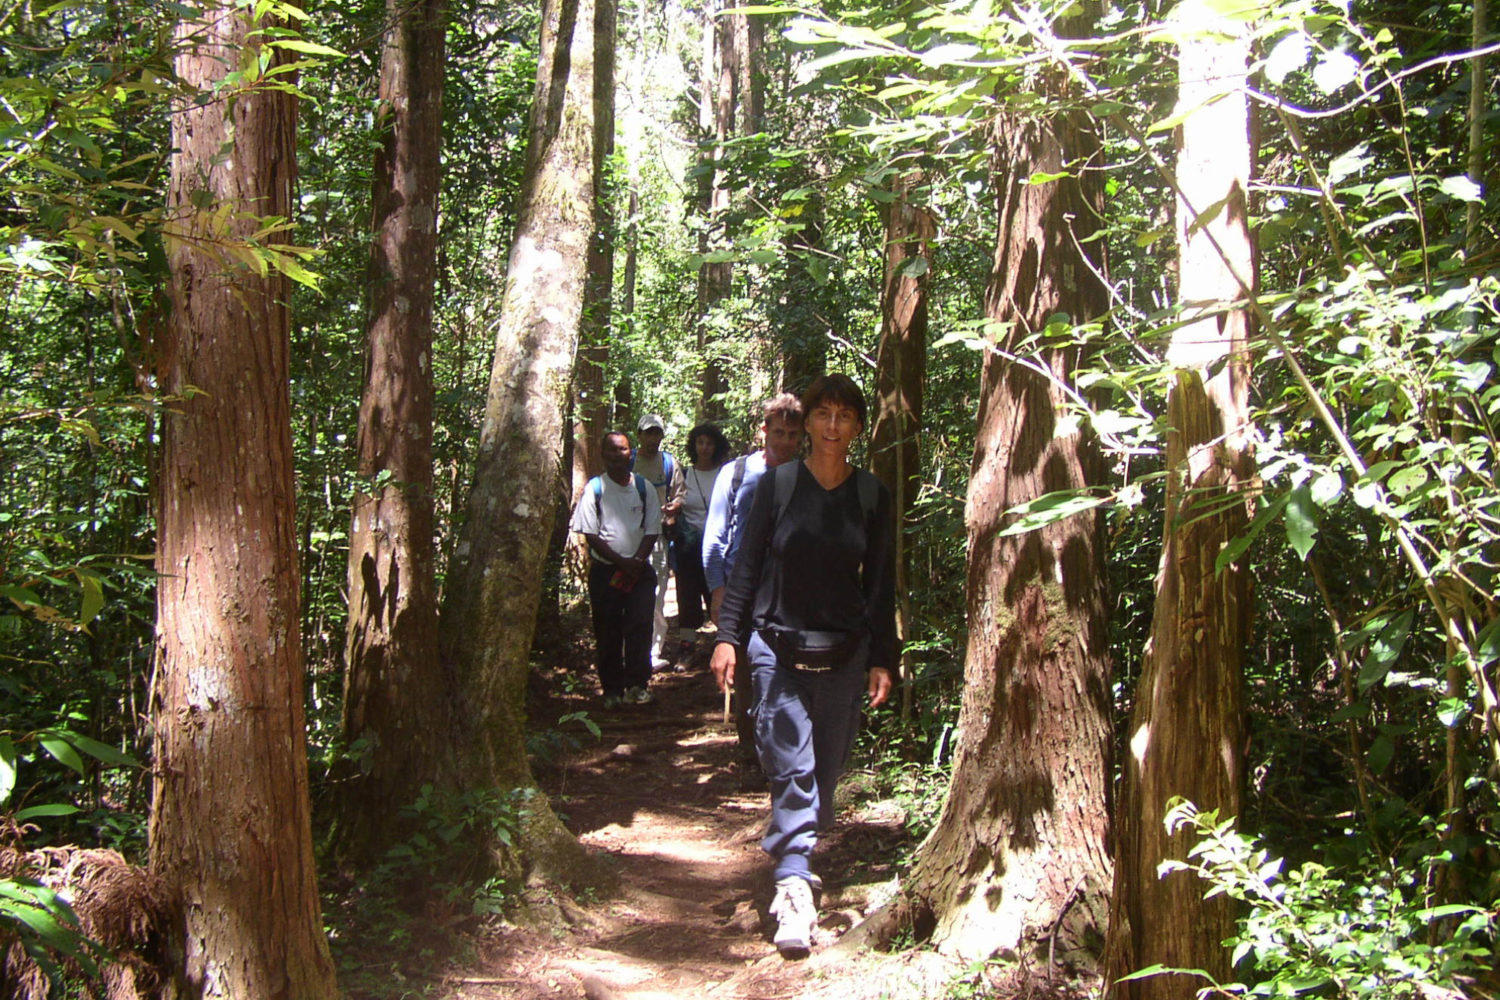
x=727 y=691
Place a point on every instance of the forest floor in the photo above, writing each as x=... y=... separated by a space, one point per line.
x=658 y=794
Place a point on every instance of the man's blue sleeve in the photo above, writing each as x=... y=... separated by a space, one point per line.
x=716 y=533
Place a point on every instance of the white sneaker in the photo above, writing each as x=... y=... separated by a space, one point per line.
x=660 y=663
x=795 y=913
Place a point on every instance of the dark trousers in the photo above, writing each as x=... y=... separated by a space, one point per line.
x=693 y=599
x=622 y=628
x=805 y=725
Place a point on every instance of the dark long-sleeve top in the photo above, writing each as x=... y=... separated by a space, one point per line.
x=818 y=568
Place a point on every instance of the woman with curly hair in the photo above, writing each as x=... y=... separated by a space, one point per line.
x=709 y=450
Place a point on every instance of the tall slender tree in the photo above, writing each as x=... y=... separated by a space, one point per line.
x=494 y=584
x=901 y=370
x=230 y=822
x=1187 y=733
x=393 y=692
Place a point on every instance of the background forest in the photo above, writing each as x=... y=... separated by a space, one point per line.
x=1287 y=526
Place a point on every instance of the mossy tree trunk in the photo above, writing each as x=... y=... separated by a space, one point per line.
x=494 y=584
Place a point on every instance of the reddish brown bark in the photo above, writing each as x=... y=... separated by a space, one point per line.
x=393 y=690
x=229 y=819
x=1186 y=730
x=901 y=362
x=1019 y=863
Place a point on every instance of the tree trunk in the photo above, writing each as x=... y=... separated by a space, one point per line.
x=1017 y=863
x=229 y=819
x=900 y=371
x=490 y=607
x=591 y=403
x=716 y=118
x=393 y=689
x=1187 y=733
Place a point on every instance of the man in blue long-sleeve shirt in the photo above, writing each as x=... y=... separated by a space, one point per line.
x=727 y=508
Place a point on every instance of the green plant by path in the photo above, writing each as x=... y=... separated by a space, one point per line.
x=1312 y=930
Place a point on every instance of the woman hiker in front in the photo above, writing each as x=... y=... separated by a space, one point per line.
x=812 y=601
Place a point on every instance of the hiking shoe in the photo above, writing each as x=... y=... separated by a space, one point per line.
x=612 y=701
x=795 y=913
x=639 y=696
x=660 y=663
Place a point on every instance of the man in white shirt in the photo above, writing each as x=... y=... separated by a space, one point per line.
x=620 y=517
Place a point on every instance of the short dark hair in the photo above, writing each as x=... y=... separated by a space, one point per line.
x=610 y=434
x=714 y=434
x=786 y=406
x=835 y=388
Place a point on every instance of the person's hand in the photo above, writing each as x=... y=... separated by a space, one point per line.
x=631 y=566
x=722 y=665
x=879 y=685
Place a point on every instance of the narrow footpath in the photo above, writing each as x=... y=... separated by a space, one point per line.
x=658 y=793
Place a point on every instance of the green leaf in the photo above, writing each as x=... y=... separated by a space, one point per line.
x=102 y=751
x=306 y=47
x=7 y=767
x=62 y=751
x=1335 y=70
x=1462 y=188
x=1241 y=543
x=1049 y=508
x=50 y=809
x=1405 y=480
x=1452 y=711
x=1385 y=649
x=93 y=598
x=1288 y=54
x=1301 y=521
x=1327 y=488
x=1381 y=752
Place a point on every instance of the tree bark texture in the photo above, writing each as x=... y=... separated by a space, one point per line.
x=1019 y=862
x=393 y=687
x=900 y=372
x=901 y=361
x=494 y=587
x=1187 y=735
x=716 y=119
x=230 y=827
x=591 y=404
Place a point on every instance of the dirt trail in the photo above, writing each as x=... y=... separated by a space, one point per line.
x=658 y=792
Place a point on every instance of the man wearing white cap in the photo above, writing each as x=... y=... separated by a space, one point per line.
x=663 y=472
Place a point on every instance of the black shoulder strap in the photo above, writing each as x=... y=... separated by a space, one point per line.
x=786 y=484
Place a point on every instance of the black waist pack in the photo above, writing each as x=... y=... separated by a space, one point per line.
x=814 y=652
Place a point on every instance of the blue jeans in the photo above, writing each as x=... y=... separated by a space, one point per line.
x=622 y=628
x=805 y=725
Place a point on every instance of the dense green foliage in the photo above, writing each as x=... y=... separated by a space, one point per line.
x=1378 y=642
